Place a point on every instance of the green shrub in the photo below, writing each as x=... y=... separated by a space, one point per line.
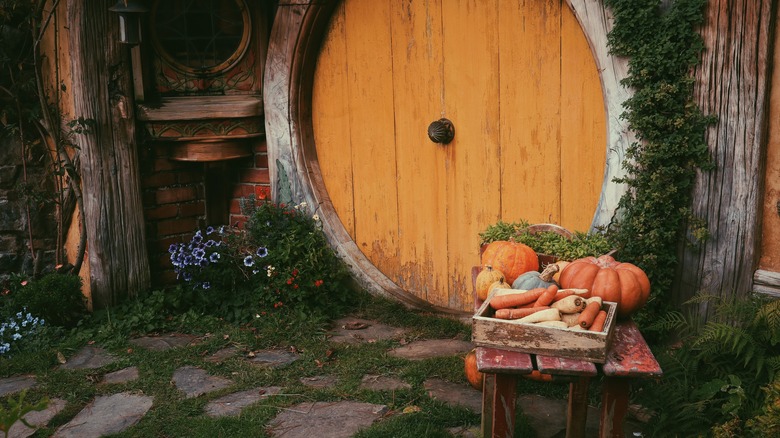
x=720 y=376
x=56 y=298
x=548 y=242
x=281 y=261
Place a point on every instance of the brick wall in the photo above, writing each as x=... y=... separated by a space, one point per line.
x=177 y=201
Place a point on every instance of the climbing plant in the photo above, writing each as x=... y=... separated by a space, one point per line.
x=662 y=47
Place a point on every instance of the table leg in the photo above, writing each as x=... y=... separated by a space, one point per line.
x=614 y=406
x=488 y=388
x=577 y=416
x=504 y=406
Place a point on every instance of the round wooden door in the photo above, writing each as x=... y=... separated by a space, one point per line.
x=519 y=83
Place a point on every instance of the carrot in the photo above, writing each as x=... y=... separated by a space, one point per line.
x=598 y=322
x=515 y=300
x=563 y=293
x=517 y=313
x=547 y=296
x=589 y=314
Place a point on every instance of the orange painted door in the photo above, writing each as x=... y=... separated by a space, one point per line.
x=519 y=83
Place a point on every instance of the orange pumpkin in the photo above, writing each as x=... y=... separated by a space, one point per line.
x=473 y=375
x=511 y=258
x=623 y=283
x=486 y=277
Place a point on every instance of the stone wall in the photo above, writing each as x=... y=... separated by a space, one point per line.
x=17 y=193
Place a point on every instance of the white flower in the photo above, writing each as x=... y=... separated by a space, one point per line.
x=316 y=217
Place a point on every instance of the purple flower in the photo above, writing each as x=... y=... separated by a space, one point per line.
x=209 y=230
x=173 y=248
x=262 y=251
x=206 y=285
x=214 y=257
x=249 y=261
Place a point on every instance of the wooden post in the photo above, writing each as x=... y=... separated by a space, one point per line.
x=102 y=92
x=731 y=83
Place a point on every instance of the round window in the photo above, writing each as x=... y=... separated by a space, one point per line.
x=200 y=36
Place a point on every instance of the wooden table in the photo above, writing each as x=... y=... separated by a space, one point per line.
x=629 y=357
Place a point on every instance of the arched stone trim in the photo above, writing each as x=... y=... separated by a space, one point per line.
x=295 y=40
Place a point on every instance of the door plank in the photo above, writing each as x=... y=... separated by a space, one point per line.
x=369 y=65
x=417 y=88
x=330 y=122
x=471 y=97
x=583 y=128
x=530 y=110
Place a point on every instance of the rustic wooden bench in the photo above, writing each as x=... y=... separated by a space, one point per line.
x=628 y=358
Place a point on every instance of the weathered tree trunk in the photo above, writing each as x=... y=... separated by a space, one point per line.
x=102 y=92
x=731 y=83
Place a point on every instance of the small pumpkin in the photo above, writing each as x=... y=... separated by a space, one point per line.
x=473 y=375
x=499 y=284
x=486 y=277
x=511 y=258
x=623 y=283
x=535 y=279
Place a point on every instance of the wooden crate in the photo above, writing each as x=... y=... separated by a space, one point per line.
x=549 y=341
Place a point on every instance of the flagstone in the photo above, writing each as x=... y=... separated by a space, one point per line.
x=232 y=404
x=89 y=357
x=430 y=348
x=325 y=419
x=325 y=381
x=164 y=342
x=106 y=415
x=122 y=376
x=382 y=383
x=352 y=330
x=454 y=394
x=194 y=381
x=37 y=419
x=272 y=358
x=12 y=385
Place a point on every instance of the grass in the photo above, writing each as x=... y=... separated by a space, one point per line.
x=174 y=416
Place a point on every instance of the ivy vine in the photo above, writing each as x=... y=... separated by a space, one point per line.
x=663 y=47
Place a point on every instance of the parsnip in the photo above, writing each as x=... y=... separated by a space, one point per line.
x=556 y=324
x=543 y=315
x=596 y=299
x=570 y=304
x=570 y=318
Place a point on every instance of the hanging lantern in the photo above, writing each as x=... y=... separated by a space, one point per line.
x=130 y=12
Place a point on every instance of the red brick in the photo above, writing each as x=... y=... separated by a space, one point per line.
x=261 y=161
x=167 y=277
x=158 y=179
x=188 y=176
x=165 y=243
x=178 y=194
x=235 y=206
x=238 y=220
x=260 y=146
x=162 y=212
x=253 y=175
x=176 y=226
x=192 y=209
x=243 y=190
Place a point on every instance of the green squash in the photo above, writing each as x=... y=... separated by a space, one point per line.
x=534 y=279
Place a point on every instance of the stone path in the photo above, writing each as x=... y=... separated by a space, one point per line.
x=117 y=412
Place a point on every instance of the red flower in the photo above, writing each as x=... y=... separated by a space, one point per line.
x=278 y=304
x=295 y=286
x=318 y=283
x=295 y=272
x=289 y=281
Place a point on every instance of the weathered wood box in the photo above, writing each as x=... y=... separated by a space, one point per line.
x=549 y=341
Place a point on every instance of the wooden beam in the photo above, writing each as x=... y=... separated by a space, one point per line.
x=102 y=92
